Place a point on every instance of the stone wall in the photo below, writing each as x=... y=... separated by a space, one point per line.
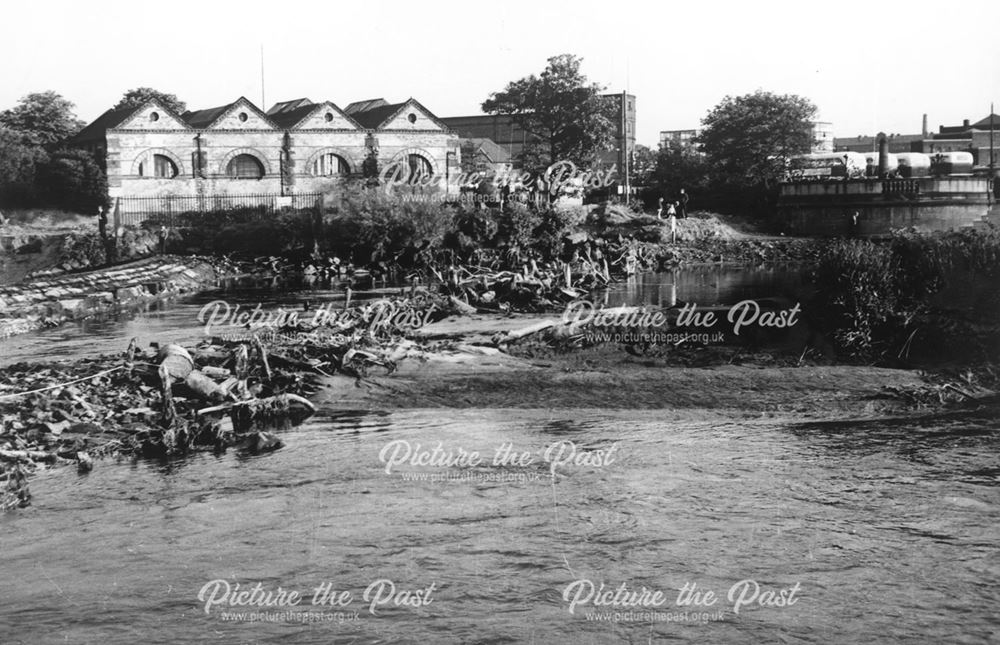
x=880 y=219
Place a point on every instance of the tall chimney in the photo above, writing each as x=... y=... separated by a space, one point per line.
x=965 y=123
x=883 y=155
x=924 y=130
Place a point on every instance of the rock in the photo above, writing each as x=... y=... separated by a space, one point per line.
x=71 y=305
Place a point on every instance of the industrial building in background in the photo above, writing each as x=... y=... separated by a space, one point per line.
x=295 y=147
x=978 y=139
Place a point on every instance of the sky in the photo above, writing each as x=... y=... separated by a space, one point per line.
x=868 y=66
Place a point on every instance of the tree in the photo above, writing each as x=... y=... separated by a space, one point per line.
x=44 y=117
x=19 y=161
x=73 y=180
x=748 y=139
x=679 y=166
x=642 y=165
x=139 y=95
x=566 y=116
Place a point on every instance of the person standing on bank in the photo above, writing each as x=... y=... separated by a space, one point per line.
x=682 y=204
x=672 y=217
x=659 y=209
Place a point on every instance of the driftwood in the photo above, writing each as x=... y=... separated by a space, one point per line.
x=288 y=398
x=28 y=455
x=524 y=331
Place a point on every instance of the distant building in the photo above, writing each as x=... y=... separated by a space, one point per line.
x=681 y=138
x=484 y=156
x=505 y=132
x=295 y=147
x=969 y=137
x=972 y=137
x=866 y=143
x=822 y=136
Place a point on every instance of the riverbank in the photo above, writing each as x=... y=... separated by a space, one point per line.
x=420 y=354
x=51 y=301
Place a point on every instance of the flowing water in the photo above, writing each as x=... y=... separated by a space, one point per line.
x=883 y=531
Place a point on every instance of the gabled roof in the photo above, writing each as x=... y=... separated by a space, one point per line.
x=984 y=124
x=114 y=118
x=374 y=117
x=362 y=106
x=291 y=118
x=495 y=153
x=287 y=106
x=110 y=119
x=206 y=117
x=380 y=116
x=202 y=119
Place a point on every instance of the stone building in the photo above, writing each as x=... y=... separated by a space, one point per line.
x=236 y=149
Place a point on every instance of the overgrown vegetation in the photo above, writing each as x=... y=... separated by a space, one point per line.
x=876 y=298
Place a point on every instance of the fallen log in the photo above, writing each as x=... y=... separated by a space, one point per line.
x=28 y=455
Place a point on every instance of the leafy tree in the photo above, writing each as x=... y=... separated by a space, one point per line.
x=565 y=114
x=747 y=139
x=19 y=161
x=642 y=165
x=140 y=95
x=75 y=181
x=44 y=117
x=679 y=166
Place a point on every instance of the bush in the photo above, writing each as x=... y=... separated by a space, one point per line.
x=870 y=293
x=372 y=226
x=858 y=296
x=517 y=224
x=244 y=231
x=554 y=225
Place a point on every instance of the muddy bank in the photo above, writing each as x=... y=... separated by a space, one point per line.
x=459 y=367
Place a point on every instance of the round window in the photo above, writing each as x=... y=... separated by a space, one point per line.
x=243 y=116
x=328 y=117
x=154 y=116
x=412 y=118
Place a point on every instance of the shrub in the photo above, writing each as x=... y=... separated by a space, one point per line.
x=245 y=230
x=870 y=293
x=373 y=226
x=517 y=224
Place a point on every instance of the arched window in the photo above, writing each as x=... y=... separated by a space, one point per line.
x=164 y=167
x=419 y=167
x=329 y=164
x=245 y=167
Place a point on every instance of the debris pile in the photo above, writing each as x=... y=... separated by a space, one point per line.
x=170 y=400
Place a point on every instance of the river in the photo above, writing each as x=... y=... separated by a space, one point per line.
x=875 y=530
